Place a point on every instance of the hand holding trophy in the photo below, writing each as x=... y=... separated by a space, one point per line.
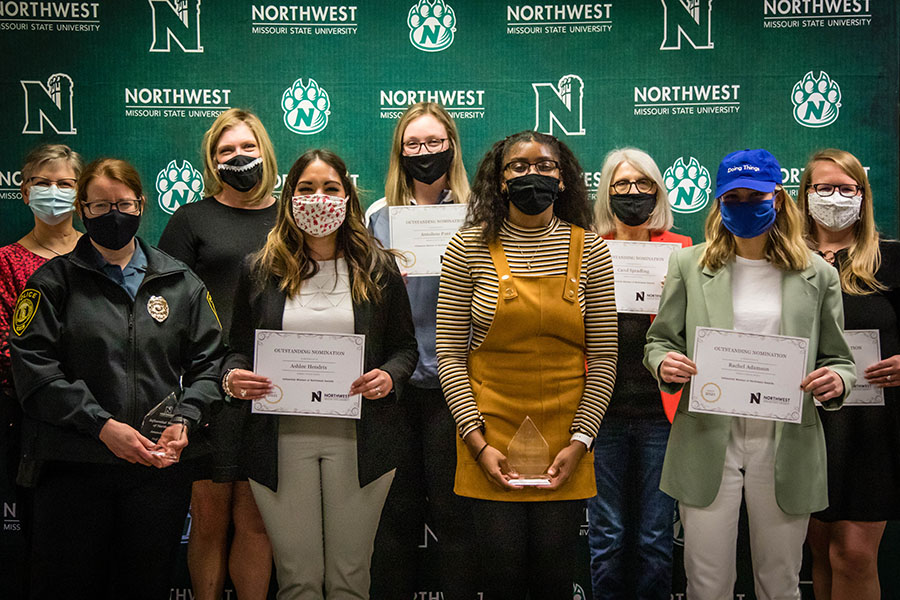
x=167 y=429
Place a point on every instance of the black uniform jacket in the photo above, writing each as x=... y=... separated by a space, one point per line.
x=83 y=352
x=390 y=346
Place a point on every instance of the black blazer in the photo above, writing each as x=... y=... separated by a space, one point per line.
x=390 y=346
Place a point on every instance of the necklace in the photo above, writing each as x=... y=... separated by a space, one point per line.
x=533 y=254
x=36 y=241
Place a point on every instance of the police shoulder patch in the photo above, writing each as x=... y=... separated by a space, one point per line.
x=213 y=307
x=26 y=307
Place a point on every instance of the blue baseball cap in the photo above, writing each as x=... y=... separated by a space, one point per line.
x=754 y=169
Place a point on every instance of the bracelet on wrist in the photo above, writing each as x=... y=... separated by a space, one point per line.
x=225 y=386
x=477 y=456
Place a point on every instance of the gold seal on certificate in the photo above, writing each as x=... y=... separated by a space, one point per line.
x=529 y=456
x=746 y=374
x=311 y=373
x=639 y=270
x=421 y=235
x=865 y=344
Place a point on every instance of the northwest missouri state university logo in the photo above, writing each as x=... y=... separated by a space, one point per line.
x=10 y=182
x=559 y=104
x=50 y=104
x=817 y=100
x=178 y=185
x=693 y=99
x=49 y=15
x=306 y=107
x=175 y=21
x=789 y=14
x=183 y=103
x=461 y=104
x=690 y=20
x=688 y=185
x=531 y=19
x=432 y=24
x=284 y=19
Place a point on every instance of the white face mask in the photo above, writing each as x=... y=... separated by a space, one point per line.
x=51 y=204
x=834 y=212
x=319 y=214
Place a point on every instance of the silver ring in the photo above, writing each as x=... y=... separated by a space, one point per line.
x=243 y=393
x=889 y=377
x=377 y=390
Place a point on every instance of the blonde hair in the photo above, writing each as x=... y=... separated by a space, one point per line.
x=225 y=121
x=785 y=247
x=660 y=219
x=45 y=153
x=398 y=188
x=285 y=257
x=863 y=258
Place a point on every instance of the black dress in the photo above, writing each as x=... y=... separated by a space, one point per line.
x=863 y=442
x=213 y=239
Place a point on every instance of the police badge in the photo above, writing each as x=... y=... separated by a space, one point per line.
x=158 y=308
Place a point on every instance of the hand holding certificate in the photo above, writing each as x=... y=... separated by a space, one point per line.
x=748 y=374
x=312 y=374
x=421 y=234
x=866 y=347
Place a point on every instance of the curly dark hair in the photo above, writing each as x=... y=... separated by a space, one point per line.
x=489 y=204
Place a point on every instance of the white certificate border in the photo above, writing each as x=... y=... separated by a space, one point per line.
x=802 y=343
x=655 y=245
x=875 y=334
x=355 y=408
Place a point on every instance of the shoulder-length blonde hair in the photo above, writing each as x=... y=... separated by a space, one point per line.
x=661 y=217
x=785 y=247
x=398 y=188
x=863 y=257
x=285 y=257
x=225 y=121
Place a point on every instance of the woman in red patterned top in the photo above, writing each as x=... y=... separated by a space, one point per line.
x=48 y=189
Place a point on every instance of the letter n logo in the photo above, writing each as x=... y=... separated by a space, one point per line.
x=316 y=396
x=639 y=296
x=560 y=104
x=690 y=19
x=51 y=103
x=754 y=398
x=177 y=20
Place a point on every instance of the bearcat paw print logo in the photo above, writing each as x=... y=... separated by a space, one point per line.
x=431 y=25
x=306 y=107
x=578 y=592
x=816 y=100
x=688 y=185
x=178 y=186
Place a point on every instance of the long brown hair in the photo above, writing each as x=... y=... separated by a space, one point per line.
x=863 y=257
x=285 y=255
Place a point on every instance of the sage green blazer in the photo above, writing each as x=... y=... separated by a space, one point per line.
x=811 y=307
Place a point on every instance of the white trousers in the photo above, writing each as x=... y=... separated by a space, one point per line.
x=776 y=538
x=321 y=524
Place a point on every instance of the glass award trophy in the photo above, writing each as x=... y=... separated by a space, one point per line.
x=158 y=420
x=529 y=456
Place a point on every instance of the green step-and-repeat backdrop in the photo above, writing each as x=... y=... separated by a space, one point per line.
x=686 y=80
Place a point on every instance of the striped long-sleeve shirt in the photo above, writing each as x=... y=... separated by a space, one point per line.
x=468 y=298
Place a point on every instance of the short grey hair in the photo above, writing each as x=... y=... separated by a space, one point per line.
x=660 y=220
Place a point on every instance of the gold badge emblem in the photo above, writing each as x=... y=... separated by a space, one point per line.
x=158 y=308
x=26 y=308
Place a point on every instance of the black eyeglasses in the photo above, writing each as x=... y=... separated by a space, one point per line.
x=127 y=206
x=847 y=190
x=644 y=186
x=432 y=145
x=521 y=167
x=67 y=183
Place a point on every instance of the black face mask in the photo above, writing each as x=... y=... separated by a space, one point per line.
x=632 y=209
x=113 y=230
x=241 y=172
x=427 y=168
x=533 y=193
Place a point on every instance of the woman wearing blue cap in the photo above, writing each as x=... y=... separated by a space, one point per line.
x=754 y=273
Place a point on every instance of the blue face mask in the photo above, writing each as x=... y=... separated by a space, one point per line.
x=51 y=204
x=748 y=219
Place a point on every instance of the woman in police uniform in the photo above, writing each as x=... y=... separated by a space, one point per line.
x=100 y=337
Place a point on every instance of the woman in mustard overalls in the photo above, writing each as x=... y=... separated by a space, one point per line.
x=526 y=300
